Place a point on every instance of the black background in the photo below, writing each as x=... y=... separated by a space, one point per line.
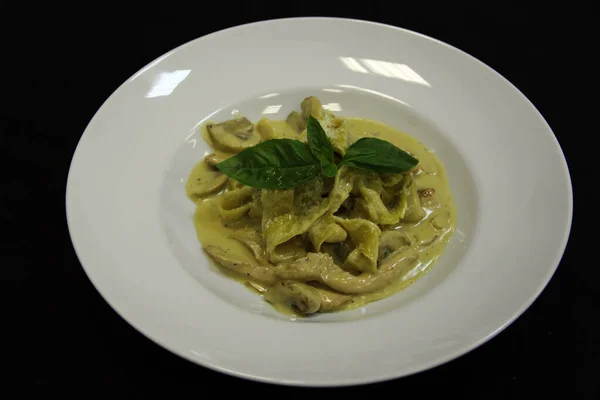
x=60 y=62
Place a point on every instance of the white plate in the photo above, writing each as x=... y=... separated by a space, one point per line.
x=131 y=224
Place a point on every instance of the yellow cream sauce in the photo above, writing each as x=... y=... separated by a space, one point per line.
x=431 y=233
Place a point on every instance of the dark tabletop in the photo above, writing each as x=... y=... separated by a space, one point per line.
x=59 y=63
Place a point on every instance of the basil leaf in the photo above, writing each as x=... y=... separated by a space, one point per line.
x=320 y=146
x=379 y=156
x=272 y=164
x=330 y=170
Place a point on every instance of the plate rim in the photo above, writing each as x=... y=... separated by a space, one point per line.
x=447 y=357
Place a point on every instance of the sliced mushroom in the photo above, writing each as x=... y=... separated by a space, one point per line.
x=204 y=181
x=212 y=160
x=234 y=135
x=390 y=242
x=295 y=120
x=311 y=106
x=300 y=297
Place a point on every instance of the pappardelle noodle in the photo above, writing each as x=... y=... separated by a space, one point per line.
x=325 y=243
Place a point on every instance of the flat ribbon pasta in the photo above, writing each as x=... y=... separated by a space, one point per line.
x=284 y=221
x=378 y=212
x=285 y=227
x=365 y=236
x=342 y=187
x=275 y=203
x=326 y=230
x=239 y=202
x=380 y=201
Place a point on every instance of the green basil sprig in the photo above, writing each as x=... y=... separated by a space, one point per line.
x=287 y=163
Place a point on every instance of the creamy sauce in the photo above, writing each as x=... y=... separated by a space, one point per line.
x=430 y=235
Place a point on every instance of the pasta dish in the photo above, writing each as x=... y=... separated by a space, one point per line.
x=320 y=213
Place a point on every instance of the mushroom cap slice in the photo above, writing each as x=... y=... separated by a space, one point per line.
x=298 y=296
x=234 y=135
x=213 y=159
x=204 y=181
x=210 y=183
